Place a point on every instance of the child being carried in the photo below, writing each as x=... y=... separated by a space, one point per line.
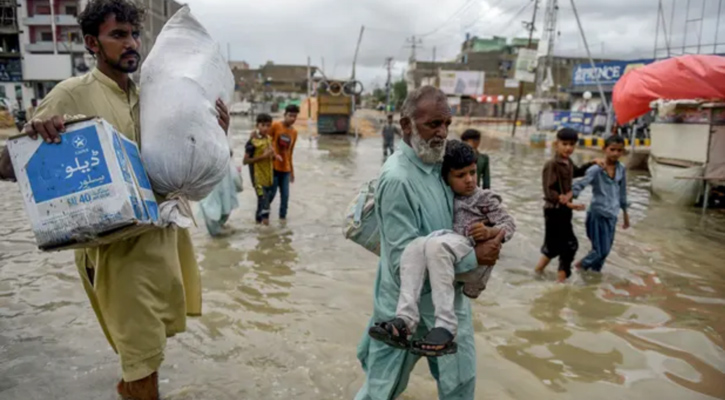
x=435 y=255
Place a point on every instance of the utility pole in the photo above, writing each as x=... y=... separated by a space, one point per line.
x=414 y=44
x=434 y=54
x=531 y=27
x=388 y=83
x=717 y=26
x=354 y=61
x=52 y=26
x=608 y=128
x=548 y=39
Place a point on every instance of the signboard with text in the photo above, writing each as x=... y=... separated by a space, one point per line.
x=608 y=73
x=11 y=70
x=526 y=66
x=462 y=83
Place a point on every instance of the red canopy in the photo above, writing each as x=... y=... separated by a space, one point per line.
x=679 y=78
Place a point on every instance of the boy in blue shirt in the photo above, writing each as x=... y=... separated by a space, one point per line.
x=609 y=189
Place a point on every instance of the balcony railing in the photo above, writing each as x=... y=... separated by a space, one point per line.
x=47 y=47
x=44 y=20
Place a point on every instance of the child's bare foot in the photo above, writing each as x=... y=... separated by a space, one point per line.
x=578 y=266
x=561 y=277
x=265 y=222
x=543 y=262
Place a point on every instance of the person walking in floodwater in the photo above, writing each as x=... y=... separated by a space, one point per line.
x=435 y=255
x=609 y=186
x=390 y=131
x=141 y=288
x=284 y=138
x=558 y=174
x=259 y=155
x=412 y=201
x=483 y=170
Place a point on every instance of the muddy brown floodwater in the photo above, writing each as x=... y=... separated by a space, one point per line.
x=285 y=306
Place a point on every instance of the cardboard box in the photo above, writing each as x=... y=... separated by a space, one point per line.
x=90 y=189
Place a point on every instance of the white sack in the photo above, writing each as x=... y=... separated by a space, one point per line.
x=184 y=150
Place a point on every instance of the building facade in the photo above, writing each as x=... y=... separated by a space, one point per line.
x=43 y=44
x=11 y=74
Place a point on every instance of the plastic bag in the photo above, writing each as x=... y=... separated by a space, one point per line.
x=238 y=181
x=184 y=150
x=216 y=208
x=360 y=224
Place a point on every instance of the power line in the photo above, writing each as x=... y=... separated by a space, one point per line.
x=467 y=4
x=489 y=16
x=507 y=25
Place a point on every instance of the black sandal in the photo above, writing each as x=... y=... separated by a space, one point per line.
x=436 y=337
x=385 y=332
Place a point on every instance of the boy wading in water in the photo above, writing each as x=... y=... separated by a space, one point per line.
x=483 y=171
x=436 y=255
x=259 y=155
x=558 y=174
x=609 y=188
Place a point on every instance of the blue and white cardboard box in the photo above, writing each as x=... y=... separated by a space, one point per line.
x=90 y=189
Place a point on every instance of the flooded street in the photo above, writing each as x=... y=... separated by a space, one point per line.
x=285 y=306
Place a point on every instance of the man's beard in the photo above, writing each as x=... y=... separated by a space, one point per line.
x=117 y=64
x=426 y=152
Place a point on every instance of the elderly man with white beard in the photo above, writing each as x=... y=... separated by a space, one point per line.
x=412 y=200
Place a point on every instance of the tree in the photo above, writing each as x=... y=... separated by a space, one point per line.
x=379 y=95
x=400 y=92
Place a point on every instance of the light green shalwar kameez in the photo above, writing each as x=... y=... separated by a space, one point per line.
x=412 y=201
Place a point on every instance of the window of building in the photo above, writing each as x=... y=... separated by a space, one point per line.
x=46 y=36
x=42 y=9
x=72 y=10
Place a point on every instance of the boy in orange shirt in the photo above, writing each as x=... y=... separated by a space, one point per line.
x=284 y=138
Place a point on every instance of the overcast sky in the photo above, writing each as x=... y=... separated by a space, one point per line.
x=288 y=31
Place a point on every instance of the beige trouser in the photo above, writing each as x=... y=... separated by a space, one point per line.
x=142 y=290
x=435 y=256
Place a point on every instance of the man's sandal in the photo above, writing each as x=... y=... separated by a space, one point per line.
x=438 y=337
x=394 y=333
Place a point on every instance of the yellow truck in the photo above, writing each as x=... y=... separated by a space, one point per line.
x=334 y=109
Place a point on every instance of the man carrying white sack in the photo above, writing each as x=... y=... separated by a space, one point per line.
x=142 y=288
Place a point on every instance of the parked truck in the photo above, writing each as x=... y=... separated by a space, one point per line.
x=334 y=109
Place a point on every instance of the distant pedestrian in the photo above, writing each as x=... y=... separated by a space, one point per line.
x=284 y=138
x=31 y=109
x=609 y=188
x=390 y=130
x=259 y=155
x=473 y=138
x=558 y=174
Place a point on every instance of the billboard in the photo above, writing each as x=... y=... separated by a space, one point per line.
x=582 y=122
x=607 y=72
x=526 y=65
x=461 y=83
